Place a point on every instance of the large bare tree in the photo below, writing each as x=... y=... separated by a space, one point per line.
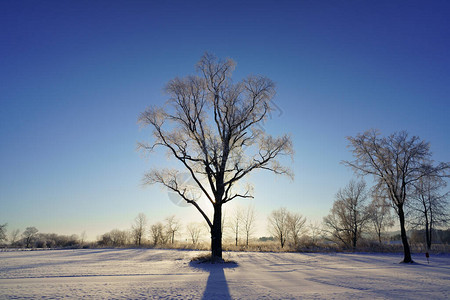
x=396 y=162
x=210 y=125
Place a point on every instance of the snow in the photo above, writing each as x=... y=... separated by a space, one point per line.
x=169 y=274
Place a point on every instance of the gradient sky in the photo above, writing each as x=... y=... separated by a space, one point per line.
x=74 y=76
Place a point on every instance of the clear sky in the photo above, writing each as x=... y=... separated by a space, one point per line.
x=74 y=76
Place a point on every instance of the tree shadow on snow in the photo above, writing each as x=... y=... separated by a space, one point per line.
x=216 y=286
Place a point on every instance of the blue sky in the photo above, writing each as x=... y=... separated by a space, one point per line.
x=74 y=76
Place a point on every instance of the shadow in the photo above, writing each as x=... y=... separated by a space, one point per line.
x=216 y=286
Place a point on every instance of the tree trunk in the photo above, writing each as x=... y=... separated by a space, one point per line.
x=406 y=250
x=216 y=234
x=355 y=229
x=428 y=235
x=428 y=228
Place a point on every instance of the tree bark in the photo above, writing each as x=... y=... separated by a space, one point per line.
x=427 y=230
x=428 y=235
x=406 y=250
x=379 y=237
x=216 y=234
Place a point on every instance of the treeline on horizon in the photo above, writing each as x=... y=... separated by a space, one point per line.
x=171 y=234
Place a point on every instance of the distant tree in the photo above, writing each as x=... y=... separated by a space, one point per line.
x=429 y=205
x=248 y=222
x=444 y=235
x=266 y=238
x=14 y=236
x=53 y=240
x=105 y=240
x=380 y=215
x=212 y=128
x=139 y=228
x=115 y=238
x=3 y=233
x=118 y=237
x=296 y=226
x=396 y=163
x=349 y=214
x=235 y=224
x=314 y=232
x=159 y=235
x=83 y=238
x=29 y=234
x=416 y=236
x=173 y=226
x=278 y=225
x=194 y=231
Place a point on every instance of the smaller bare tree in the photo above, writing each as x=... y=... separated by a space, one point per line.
x=296 y=226
x=14 y=236
x=429 y=205
x=236 y=223
x=380 y=214
x=138 y=229
x=173 y=226
x=248 y=223
x=3 y=233
x=104 y=240
x=194 y=230
x=83 y=237
x=278 y=225
x=29 y=235
x=118 y=237
x=315 y=230
x=348 y=215
x=158 y=234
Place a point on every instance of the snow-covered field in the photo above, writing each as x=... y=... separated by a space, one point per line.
x=168 y=274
